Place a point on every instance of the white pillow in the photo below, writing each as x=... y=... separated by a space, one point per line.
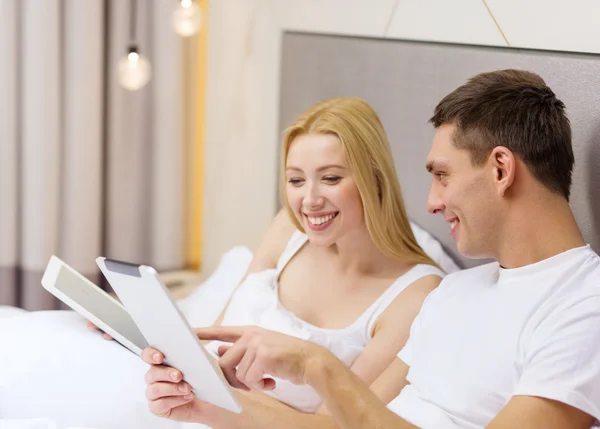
x=203 y=306
x=434 y=249
x=53 y=367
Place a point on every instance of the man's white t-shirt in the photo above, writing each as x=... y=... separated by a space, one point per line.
x=488 y=333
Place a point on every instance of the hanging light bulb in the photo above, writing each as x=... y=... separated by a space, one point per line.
x=187 y=18
x=134 y=70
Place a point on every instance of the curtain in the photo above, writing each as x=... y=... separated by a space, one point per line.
x=87 y=168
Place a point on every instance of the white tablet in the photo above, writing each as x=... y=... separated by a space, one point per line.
x=150 y=305
x=93 y=303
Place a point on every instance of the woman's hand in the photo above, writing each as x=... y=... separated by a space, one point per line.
x=93 y=327
x=168 y=396
x=256 y=353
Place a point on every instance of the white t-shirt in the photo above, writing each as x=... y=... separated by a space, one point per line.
x=488 y=333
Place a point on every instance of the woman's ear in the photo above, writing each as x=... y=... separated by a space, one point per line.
x=504 y=168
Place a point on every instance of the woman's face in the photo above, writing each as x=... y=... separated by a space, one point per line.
x=321 y=190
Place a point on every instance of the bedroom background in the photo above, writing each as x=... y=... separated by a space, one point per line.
x=88 y=167
x=160 y=175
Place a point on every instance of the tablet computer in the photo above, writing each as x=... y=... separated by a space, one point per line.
x=150 y=305
x=93 y=303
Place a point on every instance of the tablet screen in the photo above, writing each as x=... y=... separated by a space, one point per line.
x=98 y=303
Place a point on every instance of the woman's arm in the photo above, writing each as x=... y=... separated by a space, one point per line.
x=390 y=332
x=270 y=248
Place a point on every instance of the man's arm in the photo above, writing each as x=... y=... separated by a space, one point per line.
x=257 y=352
x=531 y=412
x=351 y=403
x=561 y=371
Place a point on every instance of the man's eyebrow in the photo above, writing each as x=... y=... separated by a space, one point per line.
x=436 y=165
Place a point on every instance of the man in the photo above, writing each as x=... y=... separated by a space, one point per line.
x=509 y=344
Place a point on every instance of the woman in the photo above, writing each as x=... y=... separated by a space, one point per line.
x=340 y=265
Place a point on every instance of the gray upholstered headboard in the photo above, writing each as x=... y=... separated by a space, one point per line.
x=405 y=80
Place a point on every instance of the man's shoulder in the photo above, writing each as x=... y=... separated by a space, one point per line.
x=582 y=278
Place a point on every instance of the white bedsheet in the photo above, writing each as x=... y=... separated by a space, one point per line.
x=32 y=424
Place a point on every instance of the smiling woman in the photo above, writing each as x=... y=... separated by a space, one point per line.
x=345 y=135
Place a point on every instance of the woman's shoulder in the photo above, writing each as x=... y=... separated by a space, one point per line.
x=273 y=243
x=423 y=270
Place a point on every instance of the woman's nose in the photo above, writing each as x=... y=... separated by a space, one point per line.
x=313 y=199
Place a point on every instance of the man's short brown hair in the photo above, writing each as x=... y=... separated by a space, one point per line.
x=517 y=110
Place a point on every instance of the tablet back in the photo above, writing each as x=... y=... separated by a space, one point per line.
x=148 y=302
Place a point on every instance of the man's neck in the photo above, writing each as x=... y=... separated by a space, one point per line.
x=541 y=228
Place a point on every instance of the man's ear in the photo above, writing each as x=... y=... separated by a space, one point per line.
x=504 y=167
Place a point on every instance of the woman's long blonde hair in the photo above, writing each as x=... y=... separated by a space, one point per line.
x=354 y=122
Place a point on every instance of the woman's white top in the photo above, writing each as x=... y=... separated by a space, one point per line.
x=256 y=303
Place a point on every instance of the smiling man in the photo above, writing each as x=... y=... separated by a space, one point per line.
x=514 y=343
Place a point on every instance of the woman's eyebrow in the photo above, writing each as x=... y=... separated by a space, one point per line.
x=328 y=166
x=323 y=167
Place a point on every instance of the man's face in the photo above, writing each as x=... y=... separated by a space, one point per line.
x=464 y=195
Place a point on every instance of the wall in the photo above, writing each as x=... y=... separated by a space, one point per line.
x=244 y=50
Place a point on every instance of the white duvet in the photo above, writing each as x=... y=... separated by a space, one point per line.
x=56 y=374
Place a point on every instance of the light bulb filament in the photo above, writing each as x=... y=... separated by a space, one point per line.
x=186 y=3
x=133 y=57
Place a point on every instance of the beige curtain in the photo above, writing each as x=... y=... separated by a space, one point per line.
x=86 y=167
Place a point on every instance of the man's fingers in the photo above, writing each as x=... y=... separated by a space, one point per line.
x=160 y=390
x=222 y=350
x=229 y=362
x=160 y=373
x=228 y=334
x=268 y=384
x=152 y=356
x=255 y=376
x=241 y=370
x=162 y=407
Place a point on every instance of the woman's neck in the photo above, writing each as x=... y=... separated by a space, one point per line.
x=356 y=254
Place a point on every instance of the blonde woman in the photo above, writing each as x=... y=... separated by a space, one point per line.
x=339 y=266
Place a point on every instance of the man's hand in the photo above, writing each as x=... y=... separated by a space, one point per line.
x=258 y=353
x=168 y=396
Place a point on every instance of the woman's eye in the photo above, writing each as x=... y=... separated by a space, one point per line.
x=331 y=180
x=295 y=182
